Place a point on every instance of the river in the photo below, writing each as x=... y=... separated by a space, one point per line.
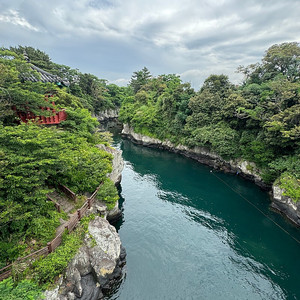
x=194 y=233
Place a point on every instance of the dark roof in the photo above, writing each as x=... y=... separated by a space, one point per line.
x=44 y=76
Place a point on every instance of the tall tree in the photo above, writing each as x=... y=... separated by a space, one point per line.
x=139 y=78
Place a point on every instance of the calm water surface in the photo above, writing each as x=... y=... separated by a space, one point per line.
x=189 y=236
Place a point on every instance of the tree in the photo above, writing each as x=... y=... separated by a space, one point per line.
x=139 y=78
x=281 y=59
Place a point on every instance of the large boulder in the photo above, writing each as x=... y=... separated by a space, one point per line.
x=97 y=266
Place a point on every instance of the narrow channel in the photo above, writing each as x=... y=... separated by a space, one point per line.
x=189 y=236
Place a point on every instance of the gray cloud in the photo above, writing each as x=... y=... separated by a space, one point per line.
x=113 y=38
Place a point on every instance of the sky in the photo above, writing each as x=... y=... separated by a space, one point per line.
x=113 y=38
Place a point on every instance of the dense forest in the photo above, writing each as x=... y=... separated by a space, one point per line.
x=257 y=121
x=35 y=158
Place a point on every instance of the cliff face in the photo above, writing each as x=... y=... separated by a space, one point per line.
x=244 y=168
x=201 y=154
x=117 y=164
x=115 y=176
x=96 y=267
x=285 y=205
x=108 y=114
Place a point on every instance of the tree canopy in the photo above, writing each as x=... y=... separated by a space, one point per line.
x=257 y=121
x=35 y=158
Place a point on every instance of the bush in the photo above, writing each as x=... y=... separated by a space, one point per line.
x=46 y=270
x=24 y=290
x=291 y=186
x=108 y=193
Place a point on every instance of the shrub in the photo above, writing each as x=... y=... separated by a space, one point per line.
x=46 y=270
x=291 y=186
x=24 y=290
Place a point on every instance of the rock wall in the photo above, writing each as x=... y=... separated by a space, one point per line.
x=201 y=154
x=106 y=115
x=285 y=205
x=96 y=268
x=116 y=177
x=244 y=168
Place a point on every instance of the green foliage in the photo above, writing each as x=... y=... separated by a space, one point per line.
x=219 y=137
x=81 y=122
x=30 y=157
x=159 y=107
x=85 y=90
x=43 y=228
x=46 y=270
x=279 y=59
x=291 y=186
x=23 y=290
x=33 y=157
x=139 y=78
x=258 y=121
x=108 y=193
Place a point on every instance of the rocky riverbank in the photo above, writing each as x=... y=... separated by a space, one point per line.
x=241 y=167
x=285 y=205
x=97 y=267
x=116 y=176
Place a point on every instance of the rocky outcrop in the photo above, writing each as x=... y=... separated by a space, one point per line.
x=246 y=169
x=285 y=205
x=96 y=268
x=117 y=163
x=106 y=115
x=201 y=154
x=115 y=176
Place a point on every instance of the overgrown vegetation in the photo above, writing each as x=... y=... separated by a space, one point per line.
x=257 y=121
x=23 y=290
x=35 y=158
x=45 y=271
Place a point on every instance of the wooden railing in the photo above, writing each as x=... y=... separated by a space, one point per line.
x=57 y=205
x=68 y=192
x=51 y=246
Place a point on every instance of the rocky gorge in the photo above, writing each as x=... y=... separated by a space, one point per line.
x=243 y=168
x=97 y=266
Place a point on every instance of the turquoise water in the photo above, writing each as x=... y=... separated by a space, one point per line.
x=189 y=236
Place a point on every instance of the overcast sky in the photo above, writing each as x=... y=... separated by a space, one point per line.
x=114 y=38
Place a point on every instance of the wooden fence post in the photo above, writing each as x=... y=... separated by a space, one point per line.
x=89 y=203
x=49 y=245
x=79 y=214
